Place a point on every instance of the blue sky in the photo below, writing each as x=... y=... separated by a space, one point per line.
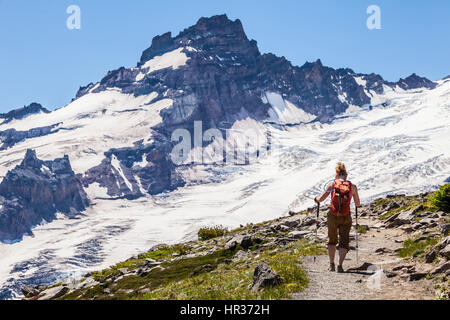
x=43 y=61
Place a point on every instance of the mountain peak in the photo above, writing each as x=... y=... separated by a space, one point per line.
x=219 y=24
x=414 y=81
x=216 y=31
x=30 y=160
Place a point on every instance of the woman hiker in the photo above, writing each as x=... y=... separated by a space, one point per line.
x=339 y=218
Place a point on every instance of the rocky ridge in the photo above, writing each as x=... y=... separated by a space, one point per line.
x=23 y=112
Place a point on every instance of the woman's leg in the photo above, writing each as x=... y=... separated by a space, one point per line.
x=344 y=238
x=332 y=236
x=331 y=252
x=342 y=255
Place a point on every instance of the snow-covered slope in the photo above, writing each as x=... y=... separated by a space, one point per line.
x=86 y=128
x=399 y=146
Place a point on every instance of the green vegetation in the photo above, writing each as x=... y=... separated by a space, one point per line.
x=406 y=203
x=414 y=248
x=441 y=198
x=159 y=254
x=209 y=276
x=232 y=281
x=443 y=288
x=212 y=232
x=129 y=287
x=362 y=229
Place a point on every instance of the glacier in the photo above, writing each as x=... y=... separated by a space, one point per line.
x=398 y=144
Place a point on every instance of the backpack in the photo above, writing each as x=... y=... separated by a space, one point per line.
x=341 y=198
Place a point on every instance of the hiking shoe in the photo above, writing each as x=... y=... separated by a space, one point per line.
x=340 y=269
x=332 y=267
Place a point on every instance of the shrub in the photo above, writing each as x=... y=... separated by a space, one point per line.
x=362 y=229
x=441 y=198
x=211 y=232
x=414 y=248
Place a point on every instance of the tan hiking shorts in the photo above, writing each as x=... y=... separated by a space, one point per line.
x=339 y=230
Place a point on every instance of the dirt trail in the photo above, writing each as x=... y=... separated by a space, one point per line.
x=365 y=284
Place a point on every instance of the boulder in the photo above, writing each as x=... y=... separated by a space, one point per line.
x=417 y=209
x=393 y=205
x=445 y=252
x=88 y=283
x=151 y=262
x=298 y=234
x=284 y=241
x=244 y=241
x=444 y=229
x=29 y=291
x=53 y=293
x=233 y=242
x=264 y=277
x=417 y=276
x=428 y=222
x=405 y=269
x=291 y=222
x=408 y=228
x=308 y=221
x=404 y=217
x=423 y=214
x=442 y=268
x=391 y=218
x=383 y=250
x=431 y=256
x=442 y=248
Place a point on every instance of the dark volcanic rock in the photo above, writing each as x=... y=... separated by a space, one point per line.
x=23 y=112
x=11 y=136
x=226 y=78
x=154 y=173
x=414 y=82
x=35 y=191
x=264 y=277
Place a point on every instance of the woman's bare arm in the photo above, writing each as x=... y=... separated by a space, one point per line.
x=356 y=196
x=325 y=194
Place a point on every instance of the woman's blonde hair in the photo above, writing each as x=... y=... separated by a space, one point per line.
x=340 y=169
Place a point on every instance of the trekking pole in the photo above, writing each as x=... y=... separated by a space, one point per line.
x=317 y=228
x=356 y=226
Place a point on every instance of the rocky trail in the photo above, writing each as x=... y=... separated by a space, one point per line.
x=371 y=277
x=404 y=253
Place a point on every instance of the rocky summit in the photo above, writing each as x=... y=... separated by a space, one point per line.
x=226 y=78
